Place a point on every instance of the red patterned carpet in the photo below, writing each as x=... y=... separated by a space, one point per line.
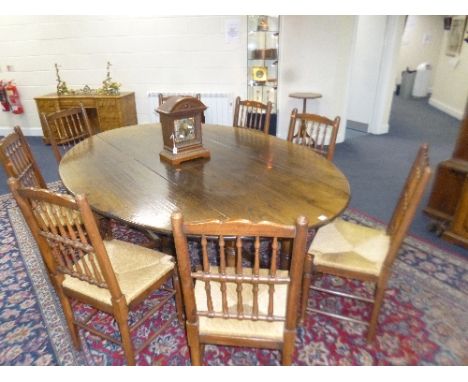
x=423 y=320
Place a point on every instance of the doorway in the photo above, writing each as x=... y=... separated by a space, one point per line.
x=372 y=74
x=419 y=52
x=365 y=73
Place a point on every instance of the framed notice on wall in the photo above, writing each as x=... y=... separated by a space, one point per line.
x=456 y=35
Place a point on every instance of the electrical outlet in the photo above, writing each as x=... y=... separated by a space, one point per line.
x=10 y=68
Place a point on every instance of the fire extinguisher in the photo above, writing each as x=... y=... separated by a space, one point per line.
x=4 y=97
x=13 y=98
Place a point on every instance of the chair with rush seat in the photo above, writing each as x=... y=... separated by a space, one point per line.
x=252 y=115
x=66 y=128
x=240 y=303
x=350 y=250
x=110 y=275
x=18 y=161
x=163 y=98
x=314 y=131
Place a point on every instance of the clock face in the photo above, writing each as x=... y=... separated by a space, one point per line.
x=184 y=130
x=259 y=73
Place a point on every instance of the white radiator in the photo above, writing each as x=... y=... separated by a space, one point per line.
x=219 y=106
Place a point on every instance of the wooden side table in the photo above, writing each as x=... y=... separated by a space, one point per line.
x=305 y=97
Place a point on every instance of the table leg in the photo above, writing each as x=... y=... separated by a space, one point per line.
x=304 y=104
x=230 y=250
x=303 y=124
x=285 y=253
x=105 y=227
x=167 y=245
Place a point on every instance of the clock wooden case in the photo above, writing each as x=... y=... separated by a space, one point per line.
x=181 y=123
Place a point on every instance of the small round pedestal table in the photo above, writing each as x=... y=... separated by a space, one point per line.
x=305 y=97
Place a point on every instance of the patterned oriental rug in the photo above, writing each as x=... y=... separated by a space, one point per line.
x=423 y=321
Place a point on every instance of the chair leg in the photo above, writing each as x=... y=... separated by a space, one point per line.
x=306 y=282
x=121 y=316
x=69 y=316
x=178 y=296
x=288 y=347
x=202 y=351
x=196 y=349
x=195 y=356
x=378 y=299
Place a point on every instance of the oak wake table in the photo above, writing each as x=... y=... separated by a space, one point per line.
x=250 y=175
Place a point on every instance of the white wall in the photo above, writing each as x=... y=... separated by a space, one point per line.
x=315 y=56
x=366 y=67
x=386 y=83
x=175 y=54
x=147 y=53
x=450 y=90
x=421 y=42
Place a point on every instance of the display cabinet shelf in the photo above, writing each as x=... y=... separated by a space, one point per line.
x=263 y=61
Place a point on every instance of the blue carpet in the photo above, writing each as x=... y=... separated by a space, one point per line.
x=377 y=165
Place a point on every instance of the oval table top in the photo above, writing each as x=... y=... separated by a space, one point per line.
x=250 y=175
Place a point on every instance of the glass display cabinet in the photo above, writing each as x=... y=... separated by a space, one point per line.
x=262 y=62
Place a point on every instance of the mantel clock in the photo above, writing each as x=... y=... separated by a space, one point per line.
x=181 y=118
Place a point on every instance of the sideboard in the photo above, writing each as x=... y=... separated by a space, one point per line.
x=448 y=201
x=105 y=112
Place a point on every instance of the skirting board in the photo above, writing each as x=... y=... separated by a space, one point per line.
x=458 y=114
x=30 y=131
x=384 y=130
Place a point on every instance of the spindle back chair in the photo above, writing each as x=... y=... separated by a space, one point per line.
x=66 y=128
x=252 y=115
x=110 y=275
x=163 y=98
x=350 y=250
x=314 y=131
x=252 y=303
x=18 y=161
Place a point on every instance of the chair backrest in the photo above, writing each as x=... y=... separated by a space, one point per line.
x=233 y=291
x=18 y=161
x=163 y=98
x=67 y=236
x=314 y=131
x=252 y=115
x=408 y=201
x=66 y=128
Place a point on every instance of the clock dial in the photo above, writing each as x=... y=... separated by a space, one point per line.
x=184 y=130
